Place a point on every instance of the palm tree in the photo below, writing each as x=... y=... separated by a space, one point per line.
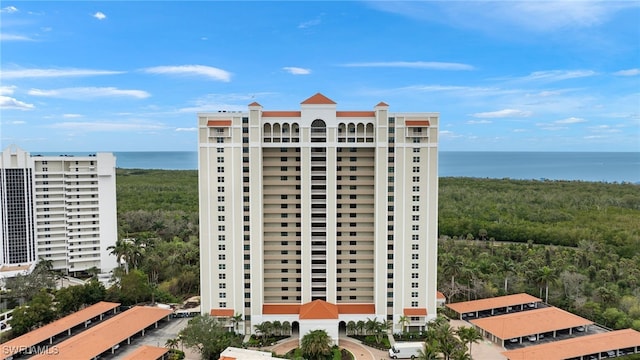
x=468 y=335
x=452 y=266
x=122 y=250
x=507 y=266
x=277 y=327
x=404 y=321
x=316 y=345
x=261 y=330
x=351 y=327
x=172 y=343
x=429 y=352
x=286 y=327
x=544 y=276
x=360 y=325
x=235 y=320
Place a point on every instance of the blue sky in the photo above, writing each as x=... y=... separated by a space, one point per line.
x=504 y=75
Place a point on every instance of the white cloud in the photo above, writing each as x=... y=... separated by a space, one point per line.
x=557 y=75
x=16 y=122
x=494 y=16
x=102 y=126
x=297 y=70
x=478 y=122
x=72 y=116
x=14 y=37
x=9 y=9
x=99 y=15
x=310 y=23
x=551 y=127
x=192 y=129
x=227 y=102
x=503 y=113
x=51 y=73
x=628 y=72
x=7 y=90
x=200 y=70
x=80 y=93
x=7 y=102
x=434 y=65
x=571 y=120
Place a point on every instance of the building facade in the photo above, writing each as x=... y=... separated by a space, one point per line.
x=319 y=216
x=58 y=208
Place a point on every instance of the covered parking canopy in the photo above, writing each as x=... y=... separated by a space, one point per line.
x=578 y=347
x=49 y=331
x=525 y=323
x=104 y=336
x=492 y=304
x=146 y=352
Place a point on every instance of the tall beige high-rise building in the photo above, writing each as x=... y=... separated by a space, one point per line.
x=57 y=208
x=318 y=216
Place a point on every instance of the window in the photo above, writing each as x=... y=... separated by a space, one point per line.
x=415 y=237
x=220 y=198
x=220 y=159
x=222 y=276
x=414 y=266
x=415 y=198
x=221 y=237
x=413 y=256
x=415 y=208
x=414 y=294
x=220 y=208
x=414 y=304
x=221 y=247
x=220 y=169
x=415 y=217
x=220 y=189
x=416 y=150
x=415 y=247
x=414 y=285
x=415 y=227
x=222 y=286
x=414 y=275
x=416 y=179
x=222 y=257
x=416 y=188
x=220 y=227
x=222 y=295
x=416 y=169
x=416 y=159
x=220 y=150
x=222 y=267
x=220 y=179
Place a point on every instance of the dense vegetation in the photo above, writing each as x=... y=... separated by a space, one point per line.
x=575 y=243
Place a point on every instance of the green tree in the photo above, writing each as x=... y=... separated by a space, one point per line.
x=316 y=345
x=286 y=327
x=134 y=287
x=351 y=327
x=546 y=276
x=468 y=335
x=235 y=320
x=37 y=312
x=428 y=352
x=208 y=336
x=404 y=321
x=172 y=343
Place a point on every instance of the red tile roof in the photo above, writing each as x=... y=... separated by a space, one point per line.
x=440 y=296
x=275 y=309
x=218 y=123
x=417 y=122
x=415 y=311
x=355 y=113
x=100 y=338
x=530 y=322
x=255 y=103
x=281 y=114
x=318 y=309
x=577 y=346
x=318 y=99
x=356 y=308
x=382 y=103
x=146 y=352
x=59 y=326
x=221 y=312
x=492 y=303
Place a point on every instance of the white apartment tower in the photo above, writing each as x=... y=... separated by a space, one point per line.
x=58 y=208
x=318 y=216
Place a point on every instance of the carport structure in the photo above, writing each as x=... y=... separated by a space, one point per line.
x=528 y=323
x=42 y=337
x=494 y=306
x=106 y=335
x=146 y=352
x=621 y=342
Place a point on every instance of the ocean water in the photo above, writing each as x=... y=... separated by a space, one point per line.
x=581 y=166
